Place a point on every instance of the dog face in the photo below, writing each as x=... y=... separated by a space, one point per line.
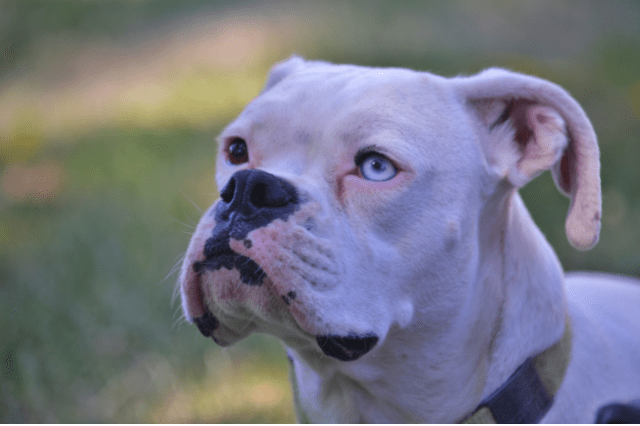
x=324 y=179
x=351 y=200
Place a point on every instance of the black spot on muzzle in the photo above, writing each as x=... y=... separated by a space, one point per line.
x=250 y=200
x=219 y=255
x=347 y=348
x=207 y=324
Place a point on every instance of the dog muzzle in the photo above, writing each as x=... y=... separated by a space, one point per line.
x=236 y=283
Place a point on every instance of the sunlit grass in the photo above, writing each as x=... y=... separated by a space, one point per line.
x=190 y=98
x=239 y=389
x=201 y=72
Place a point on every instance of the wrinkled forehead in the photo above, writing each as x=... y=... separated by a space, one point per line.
x=333 y=86
x=335 y=107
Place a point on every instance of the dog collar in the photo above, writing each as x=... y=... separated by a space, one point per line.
x=528 y=394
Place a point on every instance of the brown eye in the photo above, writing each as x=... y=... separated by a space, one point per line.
x=238 y=152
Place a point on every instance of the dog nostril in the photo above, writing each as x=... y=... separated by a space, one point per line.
x=257 y=189
x=258 y=195
x=347 y=348
x=269 y=194
x=252 y=199
x=228 y=191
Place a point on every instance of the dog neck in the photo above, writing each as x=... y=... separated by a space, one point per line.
x=533 y=309
x=418 y=376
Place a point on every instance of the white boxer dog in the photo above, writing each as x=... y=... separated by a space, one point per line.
x=369 y=218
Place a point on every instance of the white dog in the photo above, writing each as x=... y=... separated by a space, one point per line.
x=369 y=218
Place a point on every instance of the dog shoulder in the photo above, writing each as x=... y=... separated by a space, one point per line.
x=605 y=324
x=605 y=321
x=605 y=295
x=611 y=301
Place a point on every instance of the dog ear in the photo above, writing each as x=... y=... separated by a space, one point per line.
x=536 y=125
x=281 y=70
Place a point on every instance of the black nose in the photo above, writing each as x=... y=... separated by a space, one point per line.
x=254 y=198
x=250 y=200
x=347 y=348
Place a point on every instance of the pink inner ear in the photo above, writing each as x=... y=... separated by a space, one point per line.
x=520 y=122
x=541 y=118
x=566 y=170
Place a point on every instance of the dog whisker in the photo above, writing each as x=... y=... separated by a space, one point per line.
x=248 y=323
x=194 y=204
x=191 y=227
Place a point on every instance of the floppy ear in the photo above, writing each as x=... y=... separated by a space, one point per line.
x=530 y=125
x=281 y=70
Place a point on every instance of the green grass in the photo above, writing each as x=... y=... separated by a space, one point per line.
x=90 y=331
x=96 y=210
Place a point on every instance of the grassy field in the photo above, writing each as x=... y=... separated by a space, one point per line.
x=108 y=117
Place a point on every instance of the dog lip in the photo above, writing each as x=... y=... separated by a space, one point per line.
x=215 y=247
x=347 y=348
x=250 y=272
x=217 y=244
x=207 y=324
x=200 y=265
x=218 y=254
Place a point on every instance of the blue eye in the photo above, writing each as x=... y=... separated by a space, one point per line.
x=376 y=167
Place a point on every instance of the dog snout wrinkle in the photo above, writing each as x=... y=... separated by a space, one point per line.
x=347 y=348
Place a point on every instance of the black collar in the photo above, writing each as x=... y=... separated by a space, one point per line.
x=528 y=394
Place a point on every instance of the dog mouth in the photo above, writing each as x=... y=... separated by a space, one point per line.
x=207 y=324
x=343 y=348
x=349 y=347
x=218 y=254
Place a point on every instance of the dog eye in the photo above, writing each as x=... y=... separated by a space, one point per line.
x=376 y=167
x=238 y=151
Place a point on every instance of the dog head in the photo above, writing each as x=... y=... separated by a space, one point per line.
x=351 y=200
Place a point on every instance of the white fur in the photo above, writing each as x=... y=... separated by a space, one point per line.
x=443 y=262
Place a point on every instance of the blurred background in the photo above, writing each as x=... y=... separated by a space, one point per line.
x=108 y=117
